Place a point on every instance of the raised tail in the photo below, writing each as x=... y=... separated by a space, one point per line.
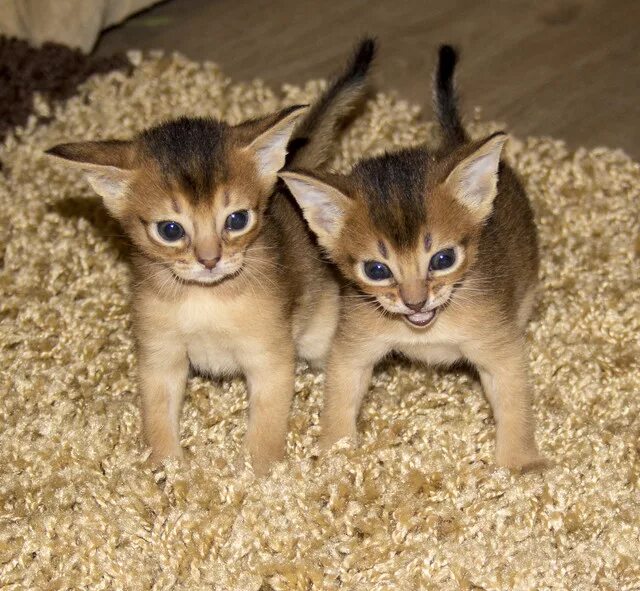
x=311 y=143
x=445 y=100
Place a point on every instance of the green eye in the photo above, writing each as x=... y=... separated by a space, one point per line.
x=443 y=259
x=377 y=271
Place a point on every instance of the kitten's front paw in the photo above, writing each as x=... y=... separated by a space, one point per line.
x=329 y=438
x=263 y=457
x=159 y=456
x=530 y=461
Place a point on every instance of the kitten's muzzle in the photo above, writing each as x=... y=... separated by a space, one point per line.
x=209 y=263
x=207 y=271
x=421 y=319
x=422 y=315
x=415 y=306
x=418 y=314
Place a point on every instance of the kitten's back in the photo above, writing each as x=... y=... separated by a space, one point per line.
x=310 y=281
x=311 y=147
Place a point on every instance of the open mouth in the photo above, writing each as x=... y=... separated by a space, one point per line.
x=206 y=278
x=421 y=319
x=202 y=278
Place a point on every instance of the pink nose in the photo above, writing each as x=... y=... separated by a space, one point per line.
x=209 y=263
x=417 y=306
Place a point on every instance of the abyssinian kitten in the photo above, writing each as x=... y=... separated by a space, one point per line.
x=227 y=276
x=440 y=252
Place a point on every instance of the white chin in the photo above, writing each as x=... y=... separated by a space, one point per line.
x=208 y=280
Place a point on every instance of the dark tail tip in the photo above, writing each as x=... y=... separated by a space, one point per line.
x=447 y=60
x=445 y=99
x=310 y=146
x=362 y=58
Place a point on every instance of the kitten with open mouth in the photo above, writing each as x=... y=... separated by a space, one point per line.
x=439 y=251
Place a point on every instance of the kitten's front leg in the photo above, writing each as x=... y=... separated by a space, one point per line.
x=163 y=368
x=348 y=376
x=270 y=380
x=504 y=375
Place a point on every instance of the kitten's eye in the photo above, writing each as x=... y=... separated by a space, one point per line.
x=170 y=231
x=237 y=220
x=442 y=260
x=377 y=271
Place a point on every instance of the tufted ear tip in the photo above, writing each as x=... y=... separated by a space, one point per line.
x=269 y=149
x=108 y=166
x=323 y=205
x=474 y=180
x=116 y=153
x=55 y=151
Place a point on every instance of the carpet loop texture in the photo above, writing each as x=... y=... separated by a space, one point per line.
x=418 y=505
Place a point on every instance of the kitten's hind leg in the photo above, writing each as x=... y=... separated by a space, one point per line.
x=504 y=376
x=317 y=334
x=163 y=368
x=526 y=307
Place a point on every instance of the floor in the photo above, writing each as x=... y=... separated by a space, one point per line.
x=565 y=68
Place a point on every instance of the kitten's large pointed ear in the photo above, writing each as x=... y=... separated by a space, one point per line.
x=269 y=149
x=108 y=166
x=474 y=181
x=323 y=206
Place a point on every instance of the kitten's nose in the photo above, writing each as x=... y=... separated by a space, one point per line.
x=209 y=263
x=417 y=306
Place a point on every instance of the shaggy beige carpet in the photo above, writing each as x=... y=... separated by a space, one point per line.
x=419 y=505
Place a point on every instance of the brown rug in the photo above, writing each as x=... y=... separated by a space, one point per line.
x=53 y=71
x=419 y=505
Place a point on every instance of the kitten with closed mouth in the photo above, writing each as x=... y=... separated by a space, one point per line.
x=439 y=252
x=228 y=279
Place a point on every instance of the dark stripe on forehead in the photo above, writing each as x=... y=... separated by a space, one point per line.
x=382 y=249
x=393 y=186
x=190 y=152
